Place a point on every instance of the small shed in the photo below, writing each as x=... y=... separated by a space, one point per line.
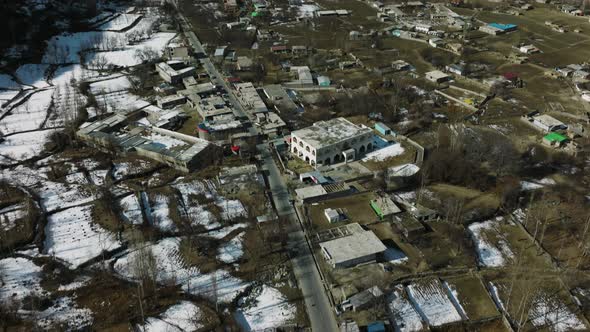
x=363 y=299
x=554 y=139
x=334 y=215
x=383 y=129
x=384 y=207
x=324 y=81
x=437 y=76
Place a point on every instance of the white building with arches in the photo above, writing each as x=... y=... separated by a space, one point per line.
x=331 y=142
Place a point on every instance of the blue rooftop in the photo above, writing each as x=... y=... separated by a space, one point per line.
x=503 y=26
x=376 y=327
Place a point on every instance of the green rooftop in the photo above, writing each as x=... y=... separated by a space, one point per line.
x=555 y=137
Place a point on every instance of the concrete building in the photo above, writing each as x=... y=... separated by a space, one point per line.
x=548 y=123
x=497 y=28
x=423 y=28
x=177 y=52
x=119 y=133
x=363 y=300
x=304 y=76
x=334 y=215
x=437 y=76
x=357 y=248
x=383 y=129
x=333 y=141
x=171 y=101
x=174 y=71
x=457 y=69
x=250 y=98
x=244 y=63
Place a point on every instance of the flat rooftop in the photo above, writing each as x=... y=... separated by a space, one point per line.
x=325 y=133
x=353 y=246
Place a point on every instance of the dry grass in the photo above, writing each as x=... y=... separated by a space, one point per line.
x=356 y=208
x=473 y=297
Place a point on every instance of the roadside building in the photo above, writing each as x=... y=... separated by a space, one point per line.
x=174 y=71
x=357 y=248
x=333 y=141
x=437 y=76
x=219 y=53
x=177 y=52
x=363 y=300
x=384 y=207
x=250 y=98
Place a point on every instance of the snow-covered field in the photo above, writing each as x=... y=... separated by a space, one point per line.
x=8 y=82
x=402 y=312
x=18 y=147
x=159 y=213
x=33 y=74
x=385 y=153
x=64 y=312
x=231 y=251
x=551 y=313
x=173 y=270
x=492 y=248
x=536 y=184
x=432 y=303
x=73 y=237
x=120 y=83
x=28 y=116
x=131 y=209
x=198 y=213
x=181 y=317
x=19 y=278
x=119 y=23
x=265 y=307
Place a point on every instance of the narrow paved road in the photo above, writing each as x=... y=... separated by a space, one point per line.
x=216 y=77
x=317 y=304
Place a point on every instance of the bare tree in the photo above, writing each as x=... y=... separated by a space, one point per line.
x=100 y=63
x=146 y=54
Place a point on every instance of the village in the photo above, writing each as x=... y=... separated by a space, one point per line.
x=299 y=165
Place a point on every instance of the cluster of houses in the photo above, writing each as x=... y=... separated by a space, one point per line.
x=557 y=134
